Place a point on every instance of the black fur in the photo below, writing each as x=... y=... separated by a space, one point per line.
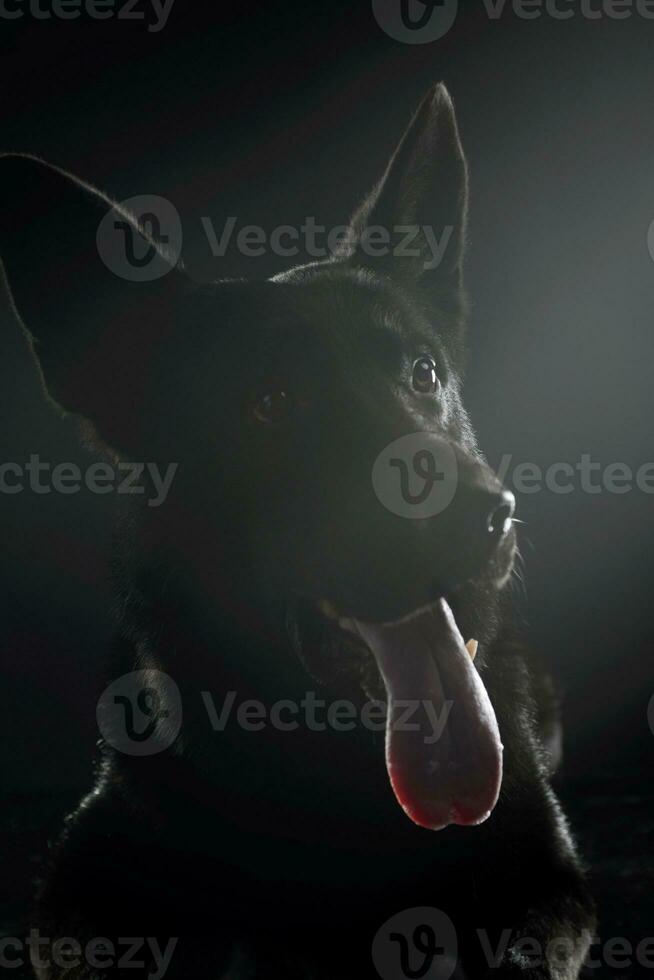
x=277 y=854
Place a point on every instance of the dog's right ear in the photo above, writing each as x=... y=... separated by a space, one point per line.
x=420 y=205
x=94 y=331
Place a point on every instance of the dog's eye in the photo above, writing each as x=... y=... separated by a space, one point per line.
x=425 y=379
x=273 y=406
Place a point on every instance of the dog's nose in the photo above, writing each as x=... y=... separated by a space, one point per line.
x=499 y=514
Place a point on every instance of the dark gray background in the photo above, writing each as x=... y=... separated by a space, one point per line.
x=275 y=111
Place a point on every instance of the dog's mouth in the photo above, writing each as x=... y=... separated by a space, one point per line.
x=443 y=746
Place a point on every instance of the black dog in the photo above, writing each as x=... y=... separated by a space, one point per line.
x=274 y=846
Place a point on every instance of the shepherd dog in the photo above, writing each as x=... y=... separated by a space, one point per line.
x=326 y=751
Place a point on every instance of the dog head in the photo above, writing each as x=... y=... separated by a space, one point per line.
x=325 y=457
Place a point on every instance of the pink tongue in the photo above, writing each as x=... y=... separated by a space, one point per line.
x=443 y=748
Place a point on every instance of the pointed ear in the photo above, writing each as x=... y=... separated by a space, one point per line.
x=423 y=195
x=93 y=324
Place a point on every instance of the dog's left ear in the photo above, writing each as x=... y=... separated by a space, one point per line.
x=94 y=328
x=420 y=204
